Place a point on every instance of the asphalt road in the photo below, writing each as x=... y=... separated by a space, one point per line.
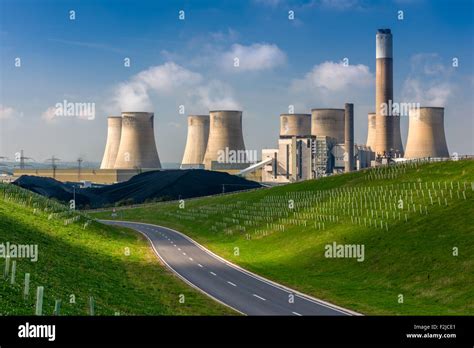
x=227 y=283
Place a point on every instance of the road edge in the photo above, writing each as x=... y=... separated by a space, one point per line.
x=249 y=273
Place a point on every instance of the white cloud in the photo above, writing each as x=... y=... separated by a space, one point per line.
x=167 y=78
x=253 y=58
x=7 y=112
x=334 y=77
x=429 y=81
x=49 y=114
x=170 y=79
x=215 y=95
x=425 y=93
x=331 y=84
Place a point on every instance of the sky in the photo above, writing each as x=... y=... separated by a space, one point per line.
x=292 y=54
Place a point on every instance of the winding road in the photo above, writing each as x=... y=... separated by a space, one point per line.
x=225 y=282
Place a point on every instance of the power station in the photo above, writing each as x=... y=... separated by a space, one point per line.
x=349 y=137
x=426 y=133
x=114 y=132
x=309 y=145
x=196 y=143
x=387 y=133
x=328 y=123
x=298 y=125
x=371 y=130
x=137 y=142
x=225 y=138
x=313 y=146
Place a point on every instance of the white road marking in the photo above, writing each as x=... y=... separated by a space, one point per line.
x=184 y=254
x=259 y=297
x=296 y=313
x=179 y=249
x=231 y=283
x=190 y=259
x=213 y=273
x=199 y=265
x=235 y=267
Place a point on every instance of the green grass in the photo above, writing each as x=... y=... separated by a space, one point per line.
x=413 y=258
x=79 y=262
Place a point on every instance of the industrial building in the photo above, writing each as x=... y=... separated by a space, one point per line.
x=196 y=142
x=303 y=155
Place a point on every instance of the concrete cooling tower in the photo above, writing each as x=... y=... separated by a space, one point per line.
x=114 y=131
x=137 y=143
x=371 y=131
x=328 y=122
x=388 y=138
x=225 y=134
x=196 y=143
x=295 y=125
x=426 y=136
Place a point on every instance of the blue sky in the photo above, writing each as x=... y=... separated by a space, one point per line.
x=174 y=62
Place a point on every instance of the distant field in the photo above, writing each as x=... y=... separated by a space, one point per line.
x=411 y=219
x=115 y=266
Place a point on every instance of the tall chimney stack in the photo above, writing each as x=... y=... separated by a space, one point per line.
x=388 y=137
x=348 y=137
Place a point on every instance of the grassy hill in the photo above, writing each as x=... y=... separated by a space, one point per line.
x=81 y=258
x=415 y=222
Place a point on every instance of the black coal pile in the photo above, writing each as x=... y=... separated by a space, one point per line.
x=146 y=187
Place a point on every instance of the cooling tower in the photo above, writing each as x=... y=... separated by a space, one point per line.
x=196 y=143
x=371 y=131
x=387 y=134
x=426 y=133
x=225 y=135
x=292 y=125
x=348 y=137
x=328 y=123
x=114 y=130
x=137 y=143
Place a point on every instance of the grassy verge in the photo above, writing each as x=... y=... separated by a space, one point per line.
x=418 y=262
x=115 y=266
